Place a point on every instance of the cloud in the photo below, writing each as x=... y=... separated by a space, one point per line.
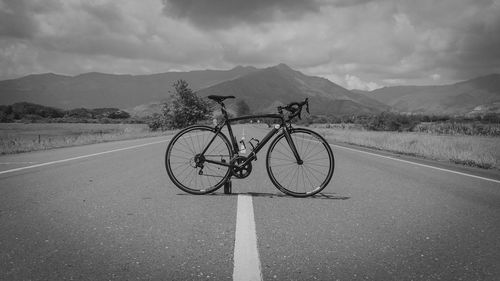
x=15 y=20
x=354 y=82
x=348 y=41
x=118 y=37
x=458 y=37
x=220 y=14
x=412 y=41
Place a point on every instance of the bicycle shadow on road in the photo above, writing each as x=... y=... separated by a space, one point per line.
x=328 y=196
x=324 y=196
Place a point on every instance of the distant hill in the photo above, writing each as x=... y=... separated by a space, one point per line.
x=475 y=95
x=264 y=89
x=106 y=90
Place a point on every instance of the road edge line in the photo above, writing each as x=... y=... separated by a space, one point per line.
x=79 y=157
x=246 y=254
x=417 y=164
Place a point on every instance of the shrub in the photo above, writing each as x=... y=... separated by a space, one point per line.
x=185 y=109
x=388 y=121
x=119 y=114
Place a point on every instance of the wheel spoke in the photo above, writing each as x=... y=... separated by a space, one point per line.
x=185 y=148
x=300 y=179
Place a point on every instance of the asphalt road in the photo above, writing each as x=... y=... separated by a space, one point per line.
x=109 y=212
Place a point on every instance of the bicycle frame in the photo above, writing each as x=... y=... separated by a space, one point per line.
x=253 y=155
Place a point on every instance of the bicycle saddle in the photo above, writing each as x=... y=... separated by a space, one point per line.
x=219 y=98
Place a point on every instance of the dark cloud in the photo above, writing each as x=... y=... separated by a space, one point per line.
x=479 y=50
x=347 y=3
x=15 y=20
x=352 y=41
x=107 y=14
x=17 y=17
x=471 y=30
x=222 y=14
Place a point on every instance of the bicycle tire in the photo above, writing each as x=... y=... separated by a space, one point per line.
x=308 y=178
x=181 y=165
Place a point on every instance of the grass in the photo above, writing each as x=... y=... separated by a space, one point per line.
x=483 y=152
x=20 y=137
x=456 y=128
x=475 y=151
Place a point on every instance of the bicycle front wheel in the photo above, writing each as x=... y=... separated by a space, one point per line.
x=188 y=168
x=300 y=179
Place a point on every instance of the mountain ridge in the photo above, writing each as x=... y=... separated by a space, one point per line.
x=121 y=90
x=261 y=88
x=280 y=85
x=459 y=98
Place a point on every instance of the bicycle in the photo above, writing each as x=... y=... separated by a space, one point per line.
x=200 y=159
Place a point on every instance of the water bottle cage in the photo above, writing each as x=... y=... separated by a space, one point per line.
x=251 y=144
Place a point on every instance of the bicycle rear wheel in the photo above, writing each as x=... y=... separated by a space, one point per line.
x=188 y=169
x=304 y=179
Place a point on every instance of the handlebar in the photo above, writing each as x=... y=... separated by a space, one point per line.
x=295 y=108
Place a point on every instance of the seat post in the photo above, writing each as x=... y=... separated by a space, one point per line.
x=223 y=109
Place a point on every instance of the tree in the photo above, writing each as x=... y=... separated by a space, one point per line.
x=242 y=108
x=185 y=109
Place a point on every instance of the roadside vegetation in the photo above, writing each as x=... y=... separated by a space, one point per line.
x=21 y=137
x=475 y=125
x=25 y=112
x=475 y=151
x=470 y=140
x=185 y=109
x=27 y=127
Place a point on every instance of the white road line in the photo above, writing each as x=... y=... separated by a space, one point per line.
x=417 y=164
x=79 y=157
x=246 y=254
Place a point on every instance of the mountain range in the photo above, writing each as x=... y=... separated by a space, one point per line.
x=106 y=90
x=262 y=89
x=478 y=95
x=265 y=89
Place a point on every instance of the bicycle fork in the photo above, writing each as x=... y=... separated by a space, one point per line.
x=290 y=142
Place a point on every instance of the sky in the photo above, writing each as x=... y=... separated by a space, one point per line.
x=358 y=44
